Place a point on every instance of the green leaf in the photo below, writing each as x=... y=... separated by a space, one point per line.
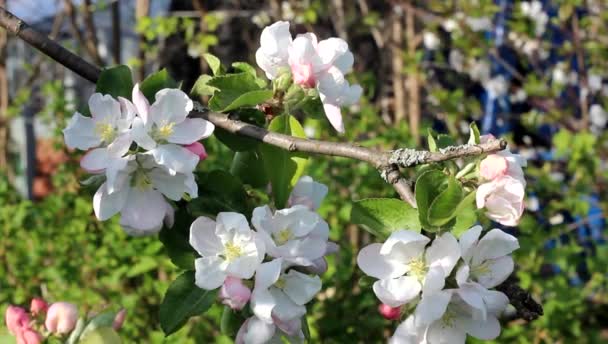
x=428 y=186
x=466 y=218
x=156 y=82
x=105 y=319
x=220 y=191
x=183 y=300
x=239 y=143
x=214 y=63
x=382 y=216
x=201 y=87
x=76 y=332
x=236 y=90
x=249 y=167
x=305 y=328
x=444 y=140
x=175 y=240
x=283 y=168
x=115 y=81
x=473 y=134
x=431 y=140
x=443 y=208
x=231 y=322
x=247 y=68
x=102 y=335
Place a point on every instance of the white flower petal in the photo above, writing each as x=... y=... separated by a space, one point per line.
x=468 y=240
x=141 y=104
x=495 y=271
x=104 y=108
x=209 y=274
x=486 y=330
x=307 y=192
x=80 y=133
x=495 y=301
x=397 y=291
x=275 y=39
x=374 y=264
x=175 y=158
x=171 y=106
x=230 y=220
x=444 y=252
x=411 y=243
x=432 y=307
x=140 y=135
x=95 y=160
x=334 y=115
x=203 y=238
x=334 y=51
x=191 y=130
x=107 y=205
x=434 y=280
x=245 y=266
x=301 y=288
x=120 y=145
x=442 y=333
x=406 y=333
x=285 y=309
x=267 y=274
x=494 y=244
x=472 y=294
x=255 y=331
x=144 y=210
x=262 y=303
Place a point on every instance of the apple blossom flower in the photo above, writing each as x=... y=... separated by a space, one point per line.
x=279 y=297
x=256 y=331
x=313 y=64
x=38 y=306
x=503 y=199
x=308 y=193
x=296 y=234
x=388 y=312
x=61 y=317
x=228 y=248
x=161 y=128
x=29 y=336
x=404 y=268
x=234 y=293
x=493 y=166
x=138 y=194
x=16 y=319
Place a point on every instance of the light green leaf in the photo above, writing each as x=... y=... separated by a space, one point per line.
x=214 y=63
x=201 y=87
x=156 y=82
x=473 y=134
x=431 y=140
x=283 y=168
x=102 y=335
x=466 y=218
x=236 y=90
x=231 y=322
x=428 y=186
x=182 y=301
x=249 y=99
x=247 y=68
x=443 y=208
x=382 y=216
x=115 y=81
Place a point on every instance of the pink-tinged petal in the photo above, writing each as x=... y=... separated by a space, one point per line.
x=374 y=264
x=334 y=51
x=104 y=108
x=334 y=115
x=203 y=238
x=95 y=161
x=119 y=319
x=234 y=293
x=61 y=317
x=107 y=205
x=80 y=133
x=432 y=307
x=16 y=319
x=397 y=291
x=493 y=166
x=144 y=210
x=301 y=288
x=141 y=104
x=38 y=306
x=190 y=131
x=29 y=336
x=209 y=274
x=171 y=106
x=175 y=158
x=198 y=149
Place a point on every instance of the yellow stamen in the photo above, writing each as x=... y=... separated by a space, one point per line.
x=280 y=283
x=281 y=237
x=164 y=131
x=232 y=251
x=106 y=131
x=418 y=268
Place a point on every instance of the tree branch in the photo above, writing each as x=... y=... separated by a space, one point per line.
x=387 y=162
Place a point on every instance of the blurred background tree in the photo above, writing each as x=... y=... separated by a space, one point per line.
x=533 y=71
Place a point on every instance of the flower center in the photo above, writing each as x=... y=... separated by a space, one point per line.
x=481 y=269
x=418 y=268
x=163 y=131
x=283 y=236
x=448 y=319
x=232 y=251
x=141 y=181
x=106 y=131
x=280 y=283
x=303 y=75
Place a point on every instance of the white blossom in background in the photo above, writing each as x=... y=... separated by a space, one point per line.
x=479 y=70
x=163 y=127
x=296 y=234
x=450 y=25
x=431 y=40
x=321 y=65
x=278 y=298
x=456 y=60
x=139 y=193
x=497 y=86
x=534 y=11
x=256 y=331
x=228 y=248
x=479 y=23
x=598 y=116
x=308 y=193
x=558 y=75
x=595 y=82
x=404 y=266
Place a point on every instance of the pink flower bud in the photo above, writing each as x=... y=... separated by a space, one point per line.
x=493 y=166
x=61 y=317
x=16 y=319
x=38 y=306
x=119 y=319
x=303 y=74
x=29 y=336
x=388 y=312
x=234 y=293
x=198 y=149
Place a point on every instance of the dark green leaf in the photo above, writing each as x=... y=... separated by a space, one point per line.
x=183 y=300
x=249 y=167
x=115 y=81
x=220 y=191
x=176 y=242
x=444 y=140
x=214 y=63
x=443 y=208
x=428 y=186
x=239 y=143
x=283 y=168
x=249 y=99
x=231 y=321
x=382 y=216
x=156 y=82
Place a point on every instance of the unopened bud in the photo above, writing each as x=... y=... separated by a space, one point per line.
x=38 y=306
x=61 y=317
x=388 y=312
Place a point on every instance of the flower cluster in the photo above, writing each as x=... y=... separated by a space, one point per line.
x=443 y=288
x=147 y=154
x=502 y=194
x=321 y=65
x=281 y=259
x=44 y=320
